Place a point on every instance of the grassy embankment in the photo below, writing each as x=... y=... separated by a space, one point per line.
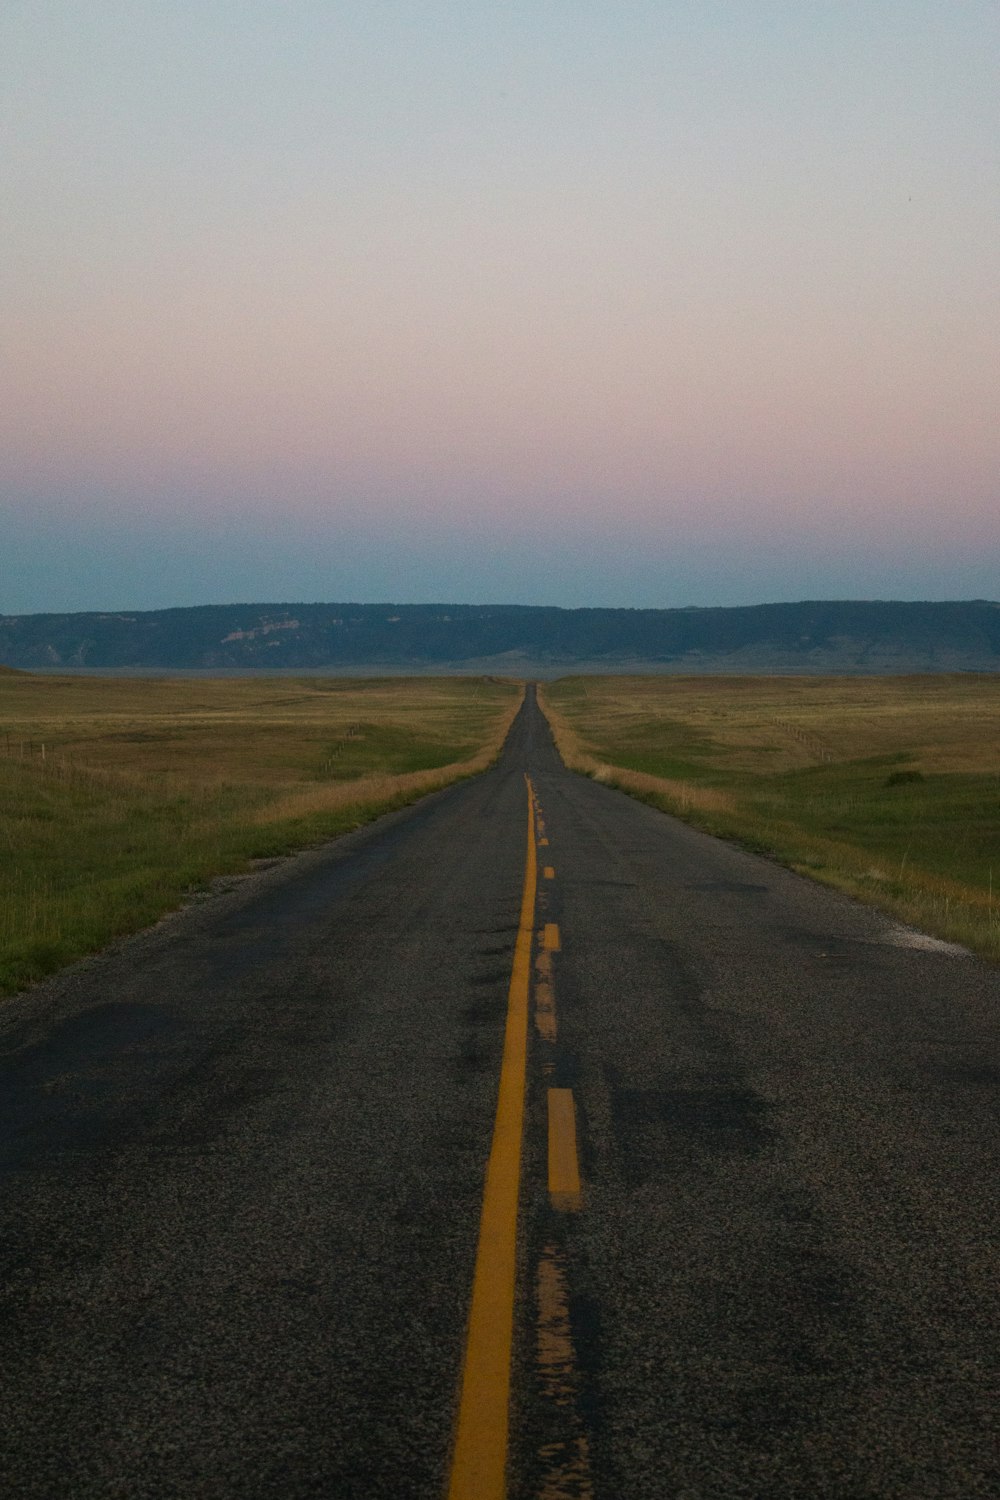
x=888 y=788
x=118 y=796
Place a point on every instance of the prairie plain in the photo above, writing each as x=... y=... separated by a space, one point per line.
x=120 y=796
x=888 y=787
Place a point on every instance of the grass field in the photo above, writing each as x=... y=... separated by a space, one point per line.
x=118 y=796
x=888 y=788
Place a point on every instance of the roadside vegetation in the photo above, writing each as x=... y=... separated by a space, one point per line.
x=888 y=788
x=121 y=796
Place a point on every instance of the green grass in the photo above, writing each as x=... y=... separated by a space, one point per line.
x=120 y=797
x=387 y=748
x=888 y=788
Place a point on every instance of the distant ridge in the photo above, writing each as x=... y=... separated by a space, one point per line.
x=859 y=636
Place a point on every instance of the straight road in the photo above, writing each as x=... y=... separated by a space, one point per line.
x=244 y=1155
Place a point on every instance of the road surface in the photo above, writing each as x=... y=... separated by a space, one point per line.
x=244 y=1162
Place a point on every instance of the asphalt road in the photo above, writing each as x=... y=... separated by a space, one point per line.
x=243 y=1163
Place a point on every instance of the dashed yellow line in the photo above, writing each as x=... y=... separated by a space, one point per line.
x=549 y=873
x=565 y=1462
x=564 y=1167
x=550 y=937
x=479 y=1462
x=545 y=998
x=545 y=1013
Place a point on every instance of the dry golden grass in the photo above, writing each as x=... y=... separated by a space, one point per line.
x=229 y=729
x=949 y=722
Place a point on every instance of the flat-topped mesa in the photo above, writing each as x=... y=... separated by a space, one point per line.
x=852 y=637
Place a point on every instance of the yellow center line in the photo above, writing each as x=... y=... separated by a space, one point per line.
x=478 y=1469
x=550 y=937
x=549 y=873
x=564 y=1169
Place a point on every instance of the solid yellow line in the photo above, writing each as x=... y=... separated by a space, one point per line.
x=550 y=937
x=478 y=1470
x=564 y=1169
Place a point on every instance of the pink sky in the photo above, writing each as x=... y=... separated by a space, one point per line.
x=647 y=306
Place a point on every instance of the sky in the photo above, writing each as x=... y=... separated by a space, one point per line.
x=578 y=302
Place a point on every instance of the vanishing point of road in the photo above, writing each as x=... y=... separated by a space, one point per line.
x=525 y=1142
